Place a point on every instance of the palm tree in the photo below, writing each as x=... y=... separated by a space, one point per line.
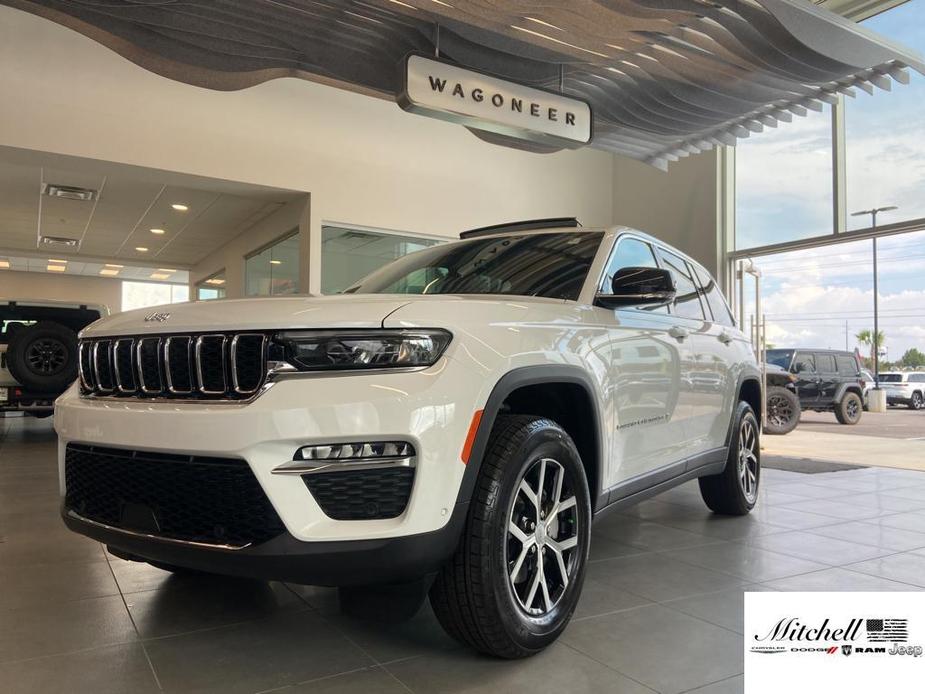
x=866 y=338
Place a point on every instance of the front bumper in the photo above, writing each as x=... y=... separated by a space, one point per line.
x=431 y=409
x=284 y=558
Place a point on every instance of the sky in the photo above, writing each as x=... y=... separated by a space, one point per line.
x=783 y=193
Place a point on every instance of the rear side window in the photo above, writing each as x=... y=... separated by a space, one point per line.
x=917 y=378
x=847 y=366
x=687 y=302
x=891 y=378
x=714 y=297
x=825 y=363
x=803 y=361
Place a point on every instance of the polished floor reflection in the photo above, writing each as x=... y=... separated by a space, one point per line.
x=661 y=610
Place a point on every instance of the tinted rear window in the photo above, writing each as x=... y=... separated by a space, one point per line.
x=825 y=363
x=847 y=366
x=891 y=378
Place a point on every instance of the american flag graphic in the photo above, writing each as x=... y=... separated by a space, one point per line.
x=887 y=630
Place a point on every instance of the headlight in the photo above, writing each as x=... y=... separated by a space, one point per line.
x=317 y=350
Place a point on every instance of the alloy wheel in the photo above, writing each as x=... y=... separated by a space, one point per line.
x=779 y=411
x=916 y=401
x=542 y=537
x=853 y=408
x=748 y=460
x=46 y=356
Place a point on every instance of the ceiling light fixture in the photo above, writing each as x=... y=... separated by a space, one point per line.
x=56 y=268
x=215 y=280
x=59 y=241
x=109 y=272
x=52 y=260
x=276 y=262
x=179 y=207
x=56 y=190
x=141 y=249
x=4 y=264
x=114 y=265
x=165 y=269
x=157 y=231
x=159 y=276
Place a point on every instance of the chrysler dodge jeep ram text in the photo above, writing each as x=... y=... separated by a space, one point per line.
x=459 y=417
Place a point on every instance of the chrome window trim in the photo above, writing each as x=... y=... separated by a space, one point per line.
x=115 y=363
x=141 y=376
x=169 y=378
x=234 y=360
x=198 y=350
x=96 y=364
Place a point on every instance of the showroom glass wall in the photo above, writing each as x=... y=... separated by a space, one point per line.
x=349 y=254
x=212 y=287
x=798 y=185
x=274 y=269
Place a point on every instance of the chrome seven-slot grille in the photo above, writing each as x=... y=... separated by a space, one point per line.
x=219 y=366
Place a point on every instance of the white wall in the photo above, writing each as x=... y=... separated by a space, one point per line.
x=72 y=288
x=364 y=161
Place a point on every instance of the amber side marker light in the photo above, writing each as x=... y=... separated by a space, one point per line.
x=470 y=436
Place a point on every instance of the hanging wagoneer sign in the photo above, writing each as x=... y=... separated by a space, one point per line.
x=452 y=93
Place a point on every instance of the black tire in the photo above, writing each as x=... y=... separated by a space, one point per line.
x=916 y=402
x=850 y=409
x=783 y=411
x=43 y=357
x=729 y=493
x=474 y=596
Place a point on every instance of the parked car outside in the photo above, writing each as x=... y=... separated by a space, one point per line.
x=783 y=403
x=904 y=388
x=868 y=383
x=457 y=417
x=38 y=351
x=826 y=380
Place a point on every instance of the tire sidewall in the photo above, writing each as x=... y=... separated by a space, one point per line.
x=530 y=632
x=844 y=408
x=19 y=366
x=778 y=391
x=744 y=412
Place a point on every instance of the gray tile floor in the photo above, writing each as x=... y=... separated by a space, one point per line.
x=661 y=611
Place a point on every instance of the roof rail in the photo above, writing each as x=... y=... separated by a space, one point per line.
x=527 y=225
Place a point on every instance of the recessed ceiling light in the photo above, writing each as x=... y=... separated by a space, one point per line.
x=157 y=231
x=215 y=280
x=276 y=262
x=141 y=249
x=109 y=272
x=4 y=264
x=52 y=260
x=56 y=268
x=159 y=276
x=114 y=265
x=179 y=207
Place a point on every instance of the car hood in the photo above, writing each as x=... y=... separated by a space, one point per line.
x=266 y=313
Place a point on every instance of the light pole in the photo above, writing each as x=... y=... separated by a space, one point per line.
x=875 y=339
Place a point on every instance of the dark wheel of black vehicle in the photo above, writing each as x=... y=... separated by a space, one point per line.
x=783 y=411
x=43 y=357
x=734 y=491
x=515 y=579
x=849 y=410
x=916 y=402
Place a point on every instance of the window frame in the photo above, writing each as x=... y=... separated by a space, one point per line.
x=294 y=232
x=671 y=307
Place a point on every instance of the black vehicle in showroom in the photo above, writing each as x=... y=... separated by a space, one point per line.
x=823 y=380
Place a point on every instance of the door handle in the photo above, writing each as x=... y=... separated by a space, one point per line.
x=724 y=337
x=678 y=333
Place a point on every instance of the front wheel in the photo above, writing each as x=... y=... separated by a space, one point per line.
x=849 y=410
x=515 y=579
x=734 y=491
x=783 y=411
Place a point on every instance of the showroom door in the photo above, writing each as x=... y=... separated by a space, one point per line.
x=646 y=366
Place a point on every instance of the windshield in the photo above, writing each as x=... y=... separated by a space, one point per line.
x=551 y=265
x=780 y=357
x=891 y=378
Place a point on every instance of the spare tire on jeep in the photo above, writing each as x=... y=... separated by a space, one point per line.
x=43 y=357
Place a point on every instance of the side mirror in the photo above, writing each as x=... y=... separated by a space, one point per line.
x=639 y=286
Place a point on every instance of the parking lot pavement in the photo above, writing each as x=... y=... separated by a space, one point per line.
x=895 y=423
x=895 y=438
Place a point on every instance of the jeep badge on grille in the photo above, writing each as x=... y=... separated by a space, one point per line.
x=158 y=317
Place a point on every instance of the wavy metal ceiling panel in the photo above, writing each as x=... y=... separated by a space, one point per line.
x=666 y=78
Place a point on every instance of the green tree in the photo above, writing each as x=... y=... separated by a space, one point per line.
x=912 y=359
x=866 y=338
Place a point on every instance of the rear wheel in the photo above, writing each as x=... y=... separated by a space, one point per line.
x=849 y=410
x=734 y=491
x=514 y=581
x=783 y=411
x=916 y=402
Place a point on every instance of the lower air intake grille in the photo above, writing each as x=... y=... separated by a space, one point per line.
x=196 y=499
x=362 y=495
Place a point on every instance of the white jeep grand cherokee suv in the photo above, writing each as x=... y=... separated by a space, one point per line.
x=460 y=417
